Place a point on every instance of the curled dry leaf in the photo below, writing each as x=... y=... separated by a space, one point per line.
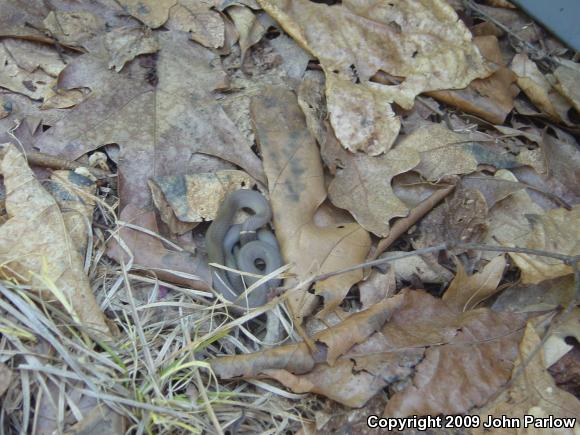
x=296 y=185
x=36 y=247
x=153 y=13
x=539 y=89
x=549 y=232
x=466 y=291
x=533 y=392
x=184 y=201
x=340 y=370
x=423 y=43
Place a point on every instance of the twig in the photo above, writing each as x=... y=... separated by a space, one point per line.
x=402 y=225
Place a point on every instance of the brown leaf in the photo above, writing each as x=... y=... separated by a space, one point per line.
x=36 y=247
x=423 y=43
x=153 y=13
x=296 y=185
x=533 y=393
x=473 y=360
x=466 y=292
x=184 y=201
x=549 y=232
x=123 y=44
x=248 y=26
x=206 y=26
x=568 y=76
x=157 y=126
x=73 y=28
x=297 y=358
x=539 y=89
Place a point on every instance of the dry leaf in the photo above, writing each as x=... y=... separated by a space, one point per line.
x=36 y=247
x=549 y=232
x=248 y=26
x=125 y=43
x=466 y=292
x=423 y=43
x=28 y=68
x=153 y=13
x=206 y=26
x=557 y=345
x=185 y=200
x=157 y=126
x=539 y=89
x=73 y=28
x=568 y=76
x=75 y=195
x=532 y=394
x=296 y=186
x=473 y=359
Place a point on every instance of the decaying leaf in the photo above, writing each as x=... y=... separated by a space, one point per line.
x=296 y=185
x=466 y=292
x=533 y=393
x=184 y=201
x=549 y=232
x=36 y=247
x=421 y=42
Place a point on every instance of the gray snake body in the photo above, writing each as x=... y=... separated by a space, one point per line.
x=257 y=244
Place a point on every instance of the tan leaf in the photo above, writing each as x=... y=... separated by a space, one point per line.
x=466 y=292
x=28 y=68
x=421 y=42
x=248 y=26
x=206 y=26
x=73 y=28
x=539 y=89
x=556 y=345
x=361 y=116
x=568 y=76
x=185 y=200
x=125 y=43
x=153 y=13
x=36 y=247
x=549 y=232
x=363 y=186
x=533 y=393
x=296 y=185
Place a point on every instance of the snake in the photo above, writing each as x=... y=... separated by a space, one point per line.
x=242 y=247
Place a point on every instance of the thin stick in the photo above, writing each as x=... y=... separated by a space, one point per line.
x=402 y=225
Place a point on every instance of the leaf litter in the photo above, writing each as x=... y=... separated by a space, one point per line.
x=443 y=148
